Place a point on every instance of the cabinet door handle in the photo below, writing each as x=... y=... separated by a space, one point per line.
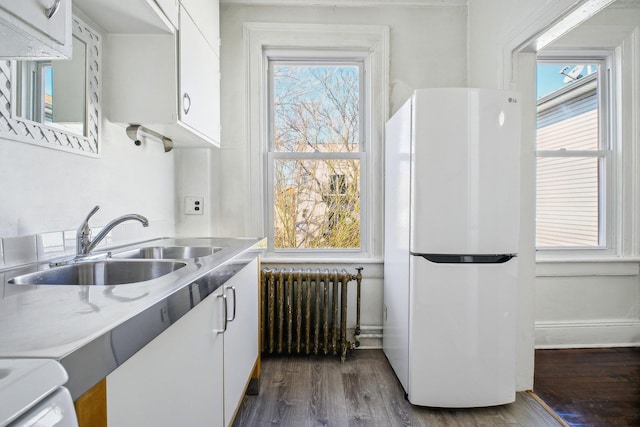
x=186 y=103
x=224 y=314
x=50 y=12
x=233 y=291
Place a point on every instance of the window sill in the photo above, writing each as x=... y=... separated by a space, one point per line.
x=574 y=266
x=575 y=258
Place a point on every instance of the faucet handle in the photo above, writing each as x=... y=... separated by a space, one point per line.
x=83 y=235
x=92 y=213
x=84 y=227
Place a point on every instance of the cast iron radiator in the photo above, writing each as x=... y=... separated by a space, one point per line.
x=305 y=311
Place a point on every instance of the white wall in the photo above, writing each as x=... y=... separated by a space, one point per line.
x=47 y=190
x=197 y=176
x=498 y=26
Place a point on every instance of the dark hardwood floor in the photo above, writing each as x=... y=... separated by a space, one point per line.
x=591 y=387
x=363 y=391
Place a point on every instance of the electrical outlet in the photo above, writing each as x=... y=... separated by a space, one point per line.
x=194 y=205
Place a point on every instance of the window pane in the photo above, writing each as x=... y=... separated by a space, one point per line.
x=316 y=108
x=568 y=185
x=567 y=107
x=316 y=204
x=567 y=201
x=580 y=132
x=48 y=93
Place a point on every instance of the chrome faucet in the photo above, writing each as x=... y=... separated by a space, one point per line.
x=84 y=244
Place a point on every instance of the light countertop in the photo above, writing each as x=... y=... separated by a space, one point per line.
x=72 y=323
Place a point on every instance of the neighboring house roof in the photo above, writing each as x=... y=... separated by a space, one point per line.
x=569 y=101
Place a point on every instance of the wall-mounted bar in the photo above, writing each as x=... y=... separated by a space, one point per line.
x=136 y=131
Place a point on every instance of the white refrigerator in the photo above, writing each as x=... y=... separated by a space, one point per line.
x=452 y=202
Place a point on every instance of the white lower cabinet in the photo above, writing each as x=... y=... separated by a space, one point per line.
x=241 y=338
x=193 y=373
x=176 y=379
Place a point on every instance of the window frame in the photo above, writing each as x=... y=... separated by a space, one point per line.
x=325 y=58
x=372 y=41
x=608 y=189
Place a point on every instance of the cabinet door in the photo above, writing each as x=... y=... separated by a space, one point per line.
x=30 y=18
x=241 y=338
x=176 y=379
x=171 y=10
x=206 y=15
x=199 y=81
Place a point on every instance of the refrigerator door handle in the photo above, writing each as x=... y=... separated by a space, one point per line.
x=466 y=258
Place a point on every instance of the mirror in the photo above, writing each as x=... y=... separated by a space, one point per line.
x=54 y=93
x=55 y=103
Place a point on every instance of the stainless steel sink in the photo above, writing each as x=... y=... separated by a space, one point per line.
x=100 y=273
x=169 y=252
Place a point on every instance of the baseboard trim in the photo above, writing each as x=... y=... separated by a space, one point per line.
x=573 y=334
x=584 y=334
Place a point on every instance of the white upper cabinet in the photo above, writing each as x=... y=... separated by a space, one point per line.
x=167 y=82
x=206 y=16
x=170 y=10
x=35 y=29
x=199 y=80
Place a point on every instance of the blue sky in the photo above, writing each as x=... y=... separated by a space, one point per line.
x=48 y=80
x=549 y=78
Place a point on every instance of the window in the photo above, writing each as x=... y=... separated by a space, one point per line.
x=328 y=190
x=316 y=153
x=574 y=194
x=35 y=87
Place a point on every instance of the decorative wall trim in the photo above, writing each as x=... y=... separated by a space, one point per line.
x=17 y=129
x=588 y=333
x=524 y=36
x=349 y=3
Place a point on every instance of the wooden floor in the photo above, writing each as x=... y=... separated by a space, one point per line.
x=363 y=391
x=591 y=387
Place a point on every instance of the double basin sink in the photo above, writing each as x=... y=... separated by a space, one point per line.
x=130 y=266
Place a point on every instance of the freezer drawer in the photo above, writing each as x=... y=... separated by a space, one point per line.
x=462 y=332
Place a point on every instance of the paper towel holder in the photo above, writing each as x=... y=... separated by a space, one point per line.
x=136 y=132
